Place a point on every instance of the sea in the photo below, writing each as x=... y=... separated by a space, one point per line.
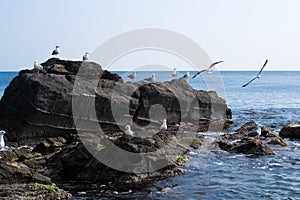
x=273 y=101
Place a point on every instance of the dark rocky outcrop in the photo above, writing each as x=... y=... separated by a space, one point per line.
x=36 y=110
x=240 y=142
x=291 y=131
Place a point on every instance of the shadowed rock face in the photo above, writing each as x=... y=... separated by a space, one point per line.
x=37 y=106
x=291 y=131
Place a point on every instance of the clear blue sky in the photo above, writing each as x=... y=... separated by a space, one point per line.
x=242 y=33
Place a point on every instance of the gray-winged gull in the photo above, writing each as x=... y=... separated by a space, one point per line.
x=151 y=79
x=85 y=57
x=209 y=69
x=257 y=76
x=164 y=125
x=2 y=142
x=55 y=51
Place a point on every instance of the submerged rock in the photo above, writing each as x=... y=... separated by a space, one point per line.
x=291 y=131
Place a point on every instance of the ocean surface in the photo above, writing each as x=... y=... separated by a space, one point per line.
x=273 y=101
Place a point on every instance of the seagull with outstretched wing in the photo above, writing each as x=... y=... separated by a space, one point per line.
x=257 y=76
x=209 y=69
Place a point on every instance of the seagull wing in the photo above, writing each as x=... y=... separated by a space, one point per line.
x=262 y=67
x=213 y=64
x=204 y=70
x=249 y=82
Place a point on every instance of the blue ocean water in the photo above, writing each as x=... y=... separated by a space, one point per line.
x=274 y=101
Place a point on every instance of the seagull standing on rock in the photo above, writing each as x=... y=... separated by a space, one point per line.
x=85 y=57
x=37 y=66
x=151 y=79
x=258 y=75
x=186 y=75
x=255 y=133
x=174 y=74
x=210 y=69
x=2 y=142
x=128 y=131
x=55 y=52
x=164 y=125
x=132 y=76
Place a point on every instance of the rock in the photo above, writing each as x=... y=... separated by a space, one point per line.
x=247 y=146
x=291 y=131
x=272 y=137
x=35 y=107
x=240 y=142
x=32 y=191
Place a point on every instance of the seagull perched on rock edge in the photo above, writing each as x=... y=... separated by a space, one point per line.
x=55 y=52
x=2 y=142
x=164 y=125
x=128 y=131
x=151 y=79
x=85 y=57
x=132 y=76
x=257 y=76
x=37 y=66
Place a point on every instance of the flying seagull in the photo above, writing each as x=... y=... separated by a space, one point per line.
x=132 y=76
x=209 y=69
x=151 y=79
x=85 y=57
x=258 y=75
x=164 y=125
x=128 y=131
x=2 y=142
x=55 y=51
x=174 y=74
x=36 y=66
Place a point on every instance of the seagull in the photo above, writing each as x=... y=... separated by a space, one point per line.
x=258 y=75
x=85 y=57
x=210 y=69
x=186 y=75
x=174 y=74
x=37 y=66
x=132 y=76
x=128 y=131
x=255 y=133
x=55 y=51
x=2 y=142
x=151 y=79
x=164 y=125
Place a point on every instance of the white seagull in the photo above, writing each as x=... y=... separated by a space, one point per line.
x=164 y=125
x=186 y=75
x=151 y=79
x=85 y=57
x=210 y=69
x=37 y=66
x=174 y=74
x=128 y=131
x=255 y=133
x=2 y=142
x=55 y=52
x=258 y=75
x=132 y=76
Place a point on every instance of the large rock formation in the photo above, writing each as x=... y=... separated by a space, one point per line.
x=36 y=106
x=62 y=110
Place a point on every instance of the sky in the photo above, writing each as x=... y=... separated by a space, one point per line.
x=242 y=33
